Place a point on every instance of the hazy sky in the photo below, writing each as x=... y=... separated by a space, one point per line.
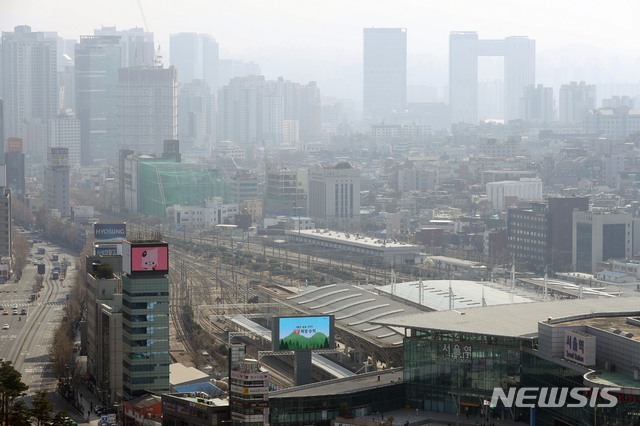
x=296 y=39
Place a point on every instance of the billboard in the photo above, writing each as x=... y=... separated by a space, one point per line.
x=106 y=251
x=303 y=333
x=140 y=259
x=83 y=213
x=58 y=156
x=109 y=232
x=14 y=144
x=580 y=347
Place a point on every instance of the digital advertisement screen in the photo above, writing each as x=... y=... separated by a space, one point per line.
x=148 y=259
x=303 y=333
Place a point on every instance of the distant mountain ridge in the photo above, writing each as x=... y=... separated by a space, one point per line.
x=298 y=341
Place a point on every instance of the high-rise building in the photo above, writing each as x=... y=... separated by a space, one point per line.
x=284 y=193
x=310 y=118
x=56 y=181
x=196 y=57
x=599 y=237
x=64 y=131
x=519 y=72
x=537 y=104
x=243 y=186
x=29 y=80
x=561 y=226
x=147 y=108
x=249 y=390
x=5 y=214
x=145 y=317
x=241 y=109
x=196 y=114
x=384 y=71
x=104 y=326
x=230 y=68
x=14 y=159
x=574 y=100
x=291 y=132
x=96 y=78
x=334 y=196
x=136 y=46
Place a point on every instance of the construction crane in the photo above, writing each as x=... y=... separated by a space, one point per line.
x=157 y=57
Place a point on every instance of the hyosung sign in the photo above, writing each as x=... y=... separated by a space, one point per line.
x=109 y=232
x=579 y=347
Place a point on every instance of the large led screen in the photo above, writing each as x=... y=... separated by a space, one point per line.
x=149 y=259
x=303 y=333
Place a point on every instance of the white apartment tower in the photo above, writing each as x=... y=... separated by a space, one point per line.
x=519 y=72
x=29 y=80
x=384 y=71
x=334 y=196
x=574 y=100
x=64 y=132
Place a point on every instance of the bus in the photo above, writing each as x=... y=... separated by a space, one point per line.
x=54 y=257
x=55 y=275
x=40 y=250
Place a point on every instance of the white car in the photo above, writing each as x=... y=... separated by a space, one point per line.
x=5 y=327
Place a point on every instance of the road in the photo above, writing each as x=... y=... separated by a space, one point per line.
x=26 y=342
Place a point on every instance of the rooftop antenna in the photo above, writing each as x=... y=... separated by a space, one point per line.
x=546 y=284
x=484 y=302
x=580 y=296
x=393 y=282
x=420 y=292
x=450 y=296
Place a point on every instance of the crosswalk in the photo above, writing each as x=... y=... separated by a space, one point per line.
x=9 y=305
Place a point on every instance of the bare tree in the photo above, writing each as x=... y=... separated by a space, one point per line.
x=21 y=248
x=20 y=213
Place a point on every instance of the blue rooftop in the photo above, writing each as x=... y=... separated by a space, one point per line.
x=207 y=387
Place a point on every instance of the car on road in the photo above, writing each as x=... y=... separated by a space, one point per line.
x=23 y=311
x=5 y=327
x=35 y=262
x=15 y=307
x=15 y=312
x=5 y=313
x=1 y=308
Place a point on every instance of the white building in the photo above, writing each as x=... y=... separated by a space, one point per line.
x=525 y=189
x=29 y=80
x=519 y=72
x=600 y=237
x=291 y=131
x=574 y=100
x=196 y=57
x=64 y=132
x=213 y=213
x=614 y=122
x=302 y=223
x=334 y=196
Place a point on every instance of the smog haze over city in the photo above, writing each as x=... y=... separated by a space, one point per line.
x=325 y=213
x=322 y=41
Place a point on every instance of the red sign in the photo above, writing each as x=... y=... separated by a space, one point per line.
x=14 y=144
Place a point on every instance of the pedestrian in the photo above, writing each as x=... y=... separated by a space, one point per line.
x=381 y=416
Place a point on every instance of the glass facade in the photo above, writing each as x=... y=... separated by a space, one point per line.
x=97 y=60
x=613 y=239
x=145 y=335
x=584 y=239
x=321 y=409
x=456 y=372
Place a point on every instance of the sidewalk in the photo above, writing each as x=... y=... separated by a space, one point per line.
x=88 y=401
x=417 y=417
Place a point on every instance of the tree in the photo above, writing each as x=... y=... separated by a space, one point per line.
x=20 y=249
x=20 y=213
x=20 y=414
x=390 y=420
x=43 y=408
x=104 y=271
x=344 y=410
x=61 y=418
x=11 y=388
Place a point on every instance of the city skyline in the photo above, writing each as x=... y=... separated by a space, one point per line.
x=325 y=44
